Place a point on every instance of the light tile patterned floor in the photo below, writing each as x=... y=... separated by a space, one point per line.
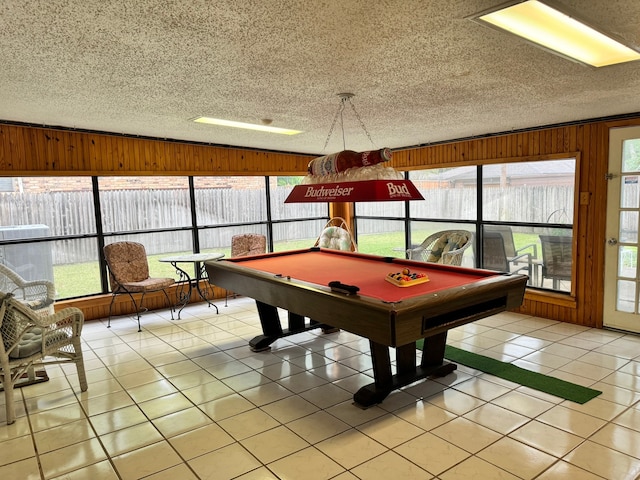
x=187 y=399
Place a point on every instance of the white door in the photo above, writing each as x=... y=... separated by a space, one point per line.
x=622 y=279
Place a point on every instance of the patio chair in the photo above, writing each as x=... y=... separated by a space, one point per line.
x=129 y=274
x=515 y=256
x=446 y=247
x=556 y=258
x=336 y=235
x=30 y=340
x=495 y=255
x=39 y=295
x=244 y=245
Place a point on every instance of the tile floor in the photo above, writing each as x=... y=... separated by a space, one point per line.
x=187 y=399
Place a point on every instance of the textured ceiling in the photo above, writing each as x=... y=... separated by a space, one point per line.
x=420 y=70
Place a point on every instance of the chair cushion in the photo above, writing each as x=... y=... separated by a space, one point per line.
x=127 y=260
x=455 y=242
x=248 y=244
x=335 y=238
x=149 y=285
x=29 y=344
x=446 y=243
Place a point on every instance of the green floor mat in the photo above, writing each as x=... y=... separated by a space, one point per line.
x=544 y=383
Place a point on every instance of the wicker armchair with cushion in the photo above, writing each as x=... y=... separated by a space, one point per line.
x=447 y=247
x=31 y=339
x=337 y=236
x=39 y=295
x=129 y=274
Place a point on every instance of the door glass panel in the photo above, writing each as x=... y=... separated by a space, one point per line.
x=628 y=261
x=626 y=296
x=628 y=227
x=623 y=218
x=629 y=191
x=631 y=155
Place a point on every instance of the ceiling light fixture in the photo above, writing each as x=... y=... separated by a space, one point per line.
x=366 y=180
x=557 y=31
x=248 y=126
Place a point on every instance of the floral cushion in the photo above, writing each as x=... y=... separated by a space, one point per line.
x=335 y=238
x=248 y=244
x=129 y=269
x=448 y=242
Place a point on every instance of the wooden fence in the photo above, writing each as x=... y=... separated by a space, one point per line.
x=73 y=214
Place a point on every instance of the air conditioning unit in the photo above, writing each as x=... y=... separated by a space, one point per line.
x=32 y=261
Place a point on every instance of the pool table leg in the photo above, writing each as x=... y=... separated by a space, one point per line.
x=272 y=328
x=431 y=365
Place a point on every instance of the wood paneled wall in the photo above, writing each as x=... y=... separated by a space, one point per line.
x=43 y=151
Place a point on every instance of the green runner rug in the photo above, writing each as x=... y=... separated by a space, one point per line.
x=544 y=383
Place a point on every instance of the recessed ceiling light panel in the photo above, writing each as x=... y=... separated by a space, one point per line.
x=247 y=126
x=559 y=32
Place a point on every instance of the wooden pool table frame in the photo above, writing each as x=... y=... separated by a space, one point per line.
x=385 y=325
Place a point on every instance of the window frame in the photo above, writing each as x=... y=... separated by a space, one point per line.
x=479 y=223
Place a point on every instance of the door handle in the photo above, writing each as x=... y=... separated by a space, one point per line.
x=612 y=241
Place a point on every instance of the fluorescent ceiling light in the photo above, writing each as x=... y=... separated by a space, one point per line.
x=248 y=126
x=559 y=32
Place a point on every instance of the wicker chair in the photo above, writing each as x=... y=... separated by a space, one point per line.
x=337 y=236
x=129 y=273
x=447 y=247
x=30 y=340
x=39 y=295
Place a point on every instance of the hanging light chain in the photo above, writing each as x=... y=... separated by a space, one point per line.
x=333 y=124
x=360 y=120
x=344 y=98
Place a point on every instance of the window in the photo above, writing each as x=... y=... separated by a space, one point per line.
x=50 y=228
x=43 y=208
x=226 y=206
x=530 y=205
x=154 y=211
x=6 y=184
x=294 y=225
x=522 y=211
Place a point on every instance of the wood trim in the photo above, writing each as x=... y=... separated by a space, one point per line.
x=97 y=307
x=45 y=151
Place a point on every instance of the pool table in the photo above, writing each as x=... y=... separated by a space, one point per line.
x=363 y=302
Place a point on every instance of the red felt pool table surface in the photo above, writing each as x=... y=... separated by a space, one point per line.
x=367 y=272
